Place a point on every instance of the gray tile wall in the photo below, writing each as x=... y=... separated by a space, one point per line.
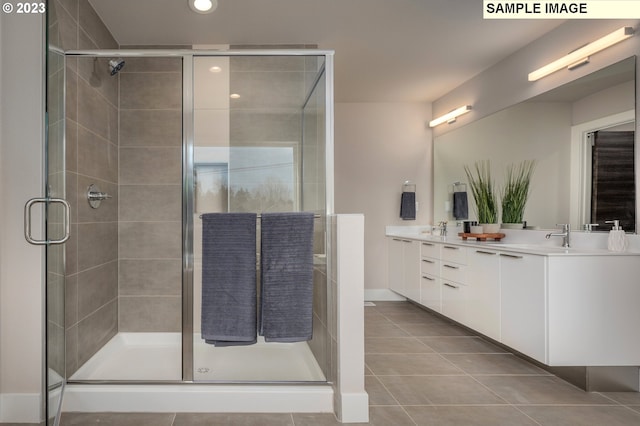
x=150 y=207
x=91 y=156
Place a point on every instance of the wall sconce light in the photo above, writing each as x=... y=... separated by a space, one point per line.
x=581 y=55
x=451 y=116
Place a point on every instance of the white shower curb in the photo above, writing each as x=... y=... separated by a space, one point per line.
x=205 y=398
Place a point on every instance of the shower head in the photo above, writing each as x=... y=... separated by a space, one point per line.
x=115 y=65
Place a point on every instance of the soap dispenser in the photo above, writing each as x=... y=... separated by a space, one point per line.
x=617 y=238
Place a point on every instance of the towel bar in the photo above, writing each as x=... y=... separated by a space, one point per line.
x=259 y=216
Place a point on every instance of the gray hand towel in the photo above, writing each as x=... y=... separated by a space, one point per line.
x=229 y=303
x=408 y=206
x=287 y=277
x=460 y=205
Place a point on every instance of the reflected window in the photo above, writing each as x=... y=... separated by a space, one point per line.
x=245 y=179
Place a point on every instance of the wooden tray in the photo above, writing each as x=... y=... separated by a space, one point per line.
x=482 y=237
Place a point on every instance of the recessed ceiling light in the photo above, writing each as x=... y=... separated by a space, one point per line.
x=203 y=6
x=215 y=69
x=234 y=96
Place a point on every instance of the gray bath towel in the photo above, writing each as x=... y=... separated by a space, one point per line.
x=287 y=277
x=229 y=303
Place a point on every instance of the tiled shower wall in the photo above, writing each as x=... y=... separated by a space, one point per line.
x=91 y=156
x=150 y=217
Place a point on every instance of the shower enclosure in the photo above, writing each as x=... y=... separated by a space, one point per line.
x=141 y=143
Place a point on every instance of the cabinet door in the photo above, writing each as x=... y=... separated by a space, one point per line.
x=411 y=260
x=454 y=300
x=430 y=289
x=523 y=304
x=483 y=284
x=396 y=267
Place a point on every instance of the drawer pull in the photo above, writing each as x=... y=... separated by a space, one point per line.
x=452 y=247
x=428 y=261
x=428 y=278
x=406 y=241
x=428 y=244
x=486 y=252
x=397 y=239
x=450 y=266
x=513 y=256
x=450 y=285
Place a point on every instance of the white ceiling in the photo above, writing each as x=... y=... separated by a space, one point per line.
x=386 y=50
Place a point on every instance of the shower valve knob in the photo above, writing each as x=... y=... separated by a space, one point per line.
x=95 y=196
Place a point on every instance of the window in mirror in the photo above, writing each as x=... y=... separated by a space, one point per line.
x=612 y=178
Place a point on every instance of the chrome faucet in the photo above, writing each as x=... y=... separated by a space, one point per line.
x=443 y=228
x=566 y=233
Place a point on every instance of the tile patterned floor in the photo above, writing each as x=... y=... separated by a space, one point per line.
x=423 y=370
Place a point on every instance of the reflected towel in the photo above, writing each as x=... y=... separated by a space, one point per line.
x=408 y=206
x=229 y=304
x=460 y=205
x=286 y=277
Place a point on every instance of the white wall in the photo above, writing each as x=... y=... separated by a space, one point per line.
x=21 y=178
x=378 y=146
x=604 y=103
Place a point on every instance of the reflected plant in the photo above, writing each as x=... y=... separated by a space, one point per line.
x=482 y=191
x=516 y=191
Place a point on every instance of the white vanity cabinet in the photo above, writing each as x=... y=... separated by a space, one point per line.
x=559 y=307
x=523 y=322
x=404 y=267
x=483 y=285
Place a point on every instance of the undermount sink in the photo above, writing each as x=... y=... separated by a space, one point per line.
x=534 y=247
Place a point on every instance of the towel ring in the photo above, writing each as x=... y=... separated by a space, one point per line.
x=459 y=187
x=408 y=187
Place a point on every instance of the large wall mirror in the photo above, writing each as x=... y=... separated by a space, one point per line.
x=582 y=137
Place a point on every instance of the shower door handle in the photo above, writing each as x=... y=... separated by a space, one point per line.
x=27 y=220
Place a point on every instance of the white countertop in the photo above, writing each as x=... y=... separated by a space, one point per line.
x=545 y=248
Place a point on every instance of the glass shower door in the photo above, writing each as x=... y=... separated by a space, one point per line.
x=56 y=221
x=55 y=234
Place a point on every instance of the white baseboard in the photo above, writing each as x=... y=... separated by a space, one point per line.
x=380 y=295
x=20 y=408
x=354 y=408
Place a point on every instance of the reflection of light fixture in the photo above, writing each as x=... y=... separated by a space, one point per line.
x=581 y=55
x=234 y=96
x=215 y=69
x=203 y=6
x=450 y=117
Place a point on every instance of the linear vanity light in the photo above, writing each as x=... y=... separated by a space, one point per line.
x=451 y=116
x=581 y=55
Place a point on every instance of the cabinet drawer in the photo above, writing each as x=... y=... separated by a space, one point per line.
x=453 y=272
x=428 y=249
x=454 y=254
x=430 y=266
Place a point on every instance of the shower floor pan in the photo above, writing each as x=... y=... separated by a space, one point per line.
x=157 y=357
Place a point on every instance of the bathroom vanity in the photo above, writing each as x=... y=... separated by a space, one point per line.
x=561 y=307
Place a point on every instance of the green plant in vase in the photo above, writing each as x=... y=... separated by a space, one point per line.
x=515 y=192
x=484 y=194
